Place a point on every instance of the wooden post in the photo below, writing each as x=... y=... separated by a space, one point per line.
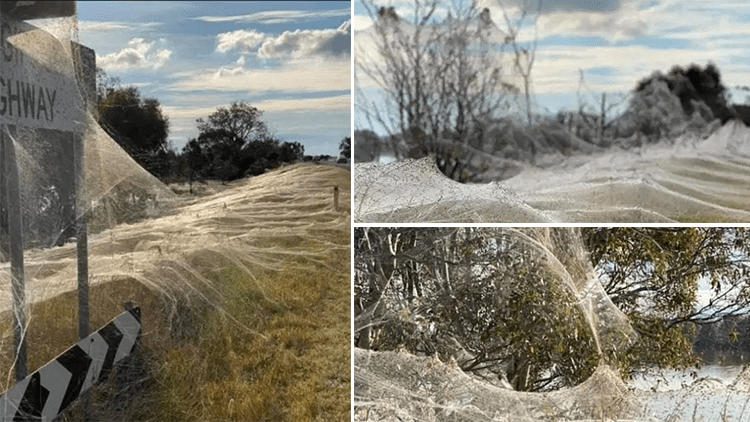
x=335 y=198
x=83 y=276
x=601 y=119
x=15 y=235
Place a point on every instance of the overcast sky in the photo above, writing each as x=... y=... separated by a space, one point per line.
x=616 y=43
x=289 y=59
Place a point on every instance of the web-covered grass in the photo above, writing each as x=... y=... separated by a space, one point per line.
x=684 y=180
x=244 y=295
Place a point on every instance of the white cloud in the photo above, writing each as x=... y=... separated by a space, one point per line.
x=241 y=39
x=610 y=26
x=279 y=16
x=290 y=44
x=303 y=43
x=139 y=54
x=335 y=103
x=308 y=75
x=96 y=26
x=557 y=68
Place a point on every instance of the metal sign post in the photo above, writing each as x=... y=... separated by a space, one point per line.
x=15 y=234
x=33 y=94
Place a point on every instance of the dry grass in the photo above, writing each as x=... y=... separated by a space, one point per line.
x=206 y=364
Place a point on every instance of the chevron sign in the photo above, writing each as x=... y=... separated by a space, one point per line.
x=44 y=394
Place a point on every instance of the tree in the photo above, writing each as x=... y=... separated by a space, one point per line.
x=487 y=298
x=137 y=124
x=235 y=142
x=241 y=122
x=695 y=84
x=665 y=106
x=345 y=147
x=510 y=303
x=442 y=81
x=523 y=55
x=652 y=275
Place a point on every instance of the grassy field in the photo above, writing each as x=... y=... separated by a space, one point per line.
x=254 y=344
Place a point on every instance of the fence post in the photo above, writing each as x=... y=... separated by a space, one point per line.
x=335 y=198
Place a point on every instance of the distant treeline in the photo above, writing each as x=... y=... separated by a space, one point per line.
x=233 y=142
x=661 y=106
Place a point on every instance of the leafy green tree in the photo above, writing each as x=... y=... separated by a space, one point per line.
x=235 y=142
x=137 y=124
x=653 y=275
x=485 y=298
x=501 y=304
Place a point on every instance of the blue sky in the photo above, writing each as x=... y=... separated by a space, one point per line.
x=615 y=43
x=290 y=59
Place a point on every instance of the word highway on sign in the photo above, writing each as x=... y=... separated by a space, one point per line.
x=38 y=86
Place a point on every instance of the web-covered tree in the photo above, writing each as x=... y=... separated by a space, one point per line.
x=695 y=84
x=441 y=80
x=487 y=299
x=345 y=147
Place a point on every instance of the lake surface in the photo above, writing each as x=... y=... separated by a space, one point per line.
x=712 y=393
x=671 y=379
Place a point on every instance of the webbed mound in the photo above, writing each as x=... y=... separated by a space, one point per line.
x=390 y=386
x=415 y=190
x=686 y=180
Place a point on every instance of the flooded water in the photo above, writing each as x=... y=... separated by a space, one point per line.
x=671 y=379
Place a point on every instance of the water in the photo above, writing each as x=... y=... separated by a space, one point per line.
x=672 y=379
x=712 y=393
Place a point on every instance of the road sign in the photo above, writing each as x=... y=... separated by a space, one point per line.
x=25 y=10
x=47 y=392
x=38 y=86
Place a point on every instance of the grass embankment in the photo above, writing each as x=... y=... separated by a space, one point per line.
x=202 y=364
x=266 y=345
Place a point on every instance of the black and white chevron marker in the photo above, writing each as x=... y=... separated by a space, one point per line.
x=44 y=394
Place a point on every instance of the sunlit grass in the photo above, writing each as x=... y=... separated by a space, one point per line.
x=209 y=363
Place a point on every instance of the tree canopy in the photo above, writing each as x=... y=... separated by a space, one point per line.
x=235 y=142
x=137 y=124
x=695 y=84
x=487 y=299
x=653 y=275
x=503 y=304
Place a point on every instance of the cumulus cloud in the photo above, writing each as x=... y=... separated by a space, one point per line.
x=241 y=39
x=306 y=43
x=290 y=44
x=139 y=54
x=279 y=16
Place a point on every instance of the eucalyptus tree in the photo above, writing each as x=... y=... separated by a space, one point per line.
x=655 y=276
